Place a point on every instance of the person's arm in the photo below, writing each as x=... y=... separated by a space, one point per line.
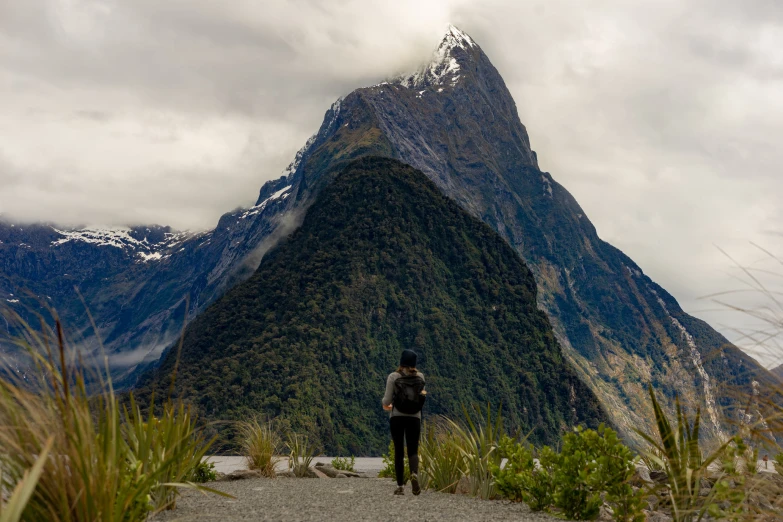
x=389 y=395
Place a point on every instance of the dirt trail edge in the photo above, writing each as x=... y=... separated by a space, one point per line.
x=293 y=500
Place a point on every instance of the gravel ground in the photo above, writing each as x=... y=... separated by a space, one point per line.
x=290 y=500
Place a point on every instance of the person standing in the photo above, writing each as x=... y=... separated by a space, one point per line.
x=404 y=399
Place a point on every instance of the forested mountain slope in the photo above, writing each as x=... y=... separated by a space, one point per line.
x=383 y=262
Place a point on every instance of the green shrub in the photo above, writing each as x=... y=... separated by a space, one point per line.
x=603 y=465
x=204 y=472
x=592 y=467
x=343 y=463
x=441 y=461
x=521 y=480
x=260 y=444
x=388 y=463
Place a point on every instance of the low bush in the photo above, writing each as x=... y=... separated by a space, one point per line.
x=524 y=480
x=343 y=463
x=204 y=472
x=592 y=467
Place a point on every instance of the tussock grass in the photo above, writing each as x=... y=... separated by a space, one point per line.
x=451 y=451
x=12 y=509
x=478 y=440
x=441 y=458
x=301 y=453
x=95 y=459
x=260 y=443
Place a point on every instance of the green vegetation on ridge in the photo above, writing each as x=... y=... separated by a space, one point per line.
x=383 y=262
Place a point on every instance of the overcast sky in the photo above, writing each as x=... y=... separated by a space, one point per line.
x=662 y=117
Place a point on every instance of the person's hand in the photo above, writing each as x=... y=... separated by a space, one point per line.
x=424 y=392
x=387 y=408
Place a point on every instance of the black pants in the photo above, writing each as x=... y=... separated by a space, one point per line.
x=408 y=428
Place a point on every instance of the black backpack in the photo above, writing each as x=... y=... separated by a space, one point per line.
x=407 y=394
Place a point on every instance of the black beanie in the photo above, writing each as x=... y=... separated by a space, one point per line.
x=408 y=358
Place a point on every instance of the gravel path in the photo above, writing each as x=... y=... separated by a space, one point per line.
x=290 y=500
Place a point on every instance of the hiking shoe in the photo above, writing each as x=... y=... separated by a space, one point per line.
x=399 y=491
x=415 y=483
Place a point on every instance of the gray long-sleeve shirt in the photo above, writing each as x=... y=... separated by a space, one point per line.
x=389 y=395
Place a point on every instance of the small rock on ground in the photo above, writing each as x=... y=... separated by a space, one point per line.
x=295 y=500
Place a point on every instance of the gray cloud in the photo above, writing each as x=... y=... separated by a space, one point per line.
x=661 y=117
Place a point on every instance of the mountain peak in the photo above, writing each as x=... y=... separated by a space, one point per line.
x=456 y=37
x=445 y=67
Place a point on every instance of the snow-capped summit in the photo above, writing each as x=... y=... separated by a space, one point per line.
x=444 y=67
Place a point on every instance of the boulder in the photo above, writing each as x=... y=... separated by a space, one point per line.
x=241 y=474
x=657 y=516
x=659 y=477
x=641 y=478
x=605 y=513
x=286 y=474
x=464 y=486
x=332 y=472
x=315 y=473
x=326 y=469
x=340 y=475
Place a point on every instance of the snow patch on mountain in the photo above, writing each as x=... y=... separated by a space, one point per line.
x=444 y=64
x=123 y=238
x=118 y=237
x=155 y=256
x=280 y=194
x=291 y=168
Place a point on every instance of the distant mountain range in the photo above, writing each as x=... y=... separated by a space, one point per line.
x=455 y=121
x=141 y=283
x=383 y=262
